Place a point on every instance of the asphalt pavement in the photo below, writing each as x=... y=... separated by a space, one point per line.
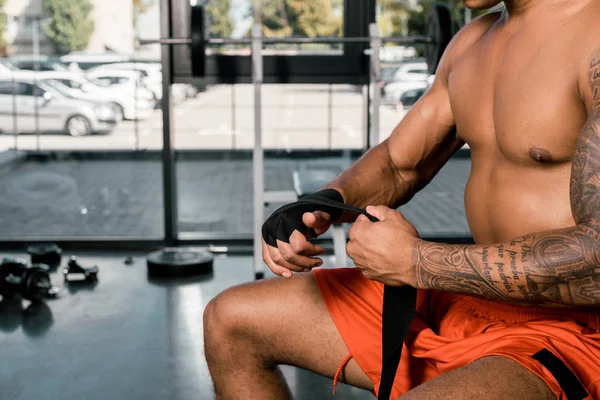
x=294 y=116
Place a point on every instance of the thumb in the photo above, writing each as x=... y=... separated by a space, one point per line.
x=318 y=220
x=379 y=212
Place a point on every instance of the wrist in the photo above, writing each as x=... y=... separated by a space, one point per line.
x=416 y=265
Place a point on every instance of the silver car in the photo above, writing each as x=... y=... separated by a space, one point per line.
x=24 y=101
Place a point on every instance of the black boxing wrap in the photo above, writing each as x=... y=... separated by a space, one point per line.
x=285 y=220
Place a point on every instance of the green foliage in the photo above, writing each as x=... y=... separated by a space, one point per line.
x=301 y=18
x=416 y=17
x=219 y=20
x=393 y=17
x=70 y=26
x=2 y=29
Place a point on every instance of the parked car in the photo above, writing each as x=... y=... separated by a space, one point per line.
x=84 y=60
x=121 y=97
x=7 y=67
x=396 y=53
x=410 y=97
x=127 y=81
x=409 y=76
x=44 y=63
x=151 y=75
x=21 y=94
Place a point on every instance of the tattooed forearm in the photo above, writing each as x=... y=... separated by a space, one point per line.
x=554 y=267
x=560 y=266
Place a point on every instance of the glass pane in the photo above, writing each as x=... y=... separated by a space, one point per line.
x=82 y=128
x=315 y=127
x=307 y=18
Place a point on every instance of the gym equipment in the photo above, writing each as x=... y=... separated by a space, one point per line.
x=31 y=282
x=74 y=272
x=439 y=33
x=179 y=263
x=49 y=254
x=439 y=26
x=398 y=302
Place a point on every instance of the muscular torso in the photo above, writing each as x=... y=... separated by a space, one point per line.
x=514 y=97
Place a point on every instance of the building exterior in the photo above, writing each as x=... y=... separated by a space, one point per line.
x=114 y=28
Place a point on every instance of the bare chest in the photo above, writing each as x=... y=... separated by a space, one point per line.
x=517 y=99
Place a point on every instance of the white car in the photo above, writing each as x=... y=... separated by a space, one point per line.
x=393 y=91
x=129 y=82
x=410 y=75
x=56 y=112
x=151 y=75
x=411 y=71
x=84 y=60
x=120 y=96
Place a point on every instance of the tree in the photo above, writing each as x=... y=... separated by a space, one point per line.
x=416 y=21
x=220 y=23
x=301 y=18
x=393 y=17
x=2 y=29
x=71 y=26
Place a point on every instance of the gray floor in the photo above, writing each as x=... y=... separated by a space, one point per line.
x=125 y=338
x=71 y=197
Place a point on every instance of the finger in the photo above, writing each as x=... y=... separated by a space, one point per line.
x=276 y=269
x=352 y=232
x=296 y=262
x=318 y=220
x=362 y=218
x=279 y=260
x=300 y=245
x=379 y=212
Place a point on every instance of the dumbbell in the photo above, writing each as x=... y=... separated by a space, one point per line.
x=31 y=282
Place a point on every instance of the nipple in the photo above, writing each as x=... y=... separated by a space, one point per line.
x=541 y=155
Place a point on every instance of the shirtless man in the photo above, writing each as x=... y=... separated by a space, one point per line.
x=522 y=88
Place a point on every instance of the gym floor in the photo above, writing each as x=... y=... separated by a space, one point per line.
x=126 y=337
x=77 y=197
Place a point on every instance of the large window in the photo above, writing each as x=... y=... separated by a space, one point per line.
x=81 y=138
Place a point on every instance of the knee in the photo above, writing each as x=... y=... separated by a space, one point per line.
x=223 y=319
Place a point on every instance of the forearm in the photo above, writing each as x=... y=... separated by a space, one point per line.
x=375 y=179
x=559 y=267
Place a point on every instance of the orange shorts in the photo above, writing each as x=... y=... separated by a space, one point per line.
x=450 y=330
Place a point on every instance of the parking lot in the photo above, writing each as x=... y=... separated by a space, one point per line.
x=294 y=116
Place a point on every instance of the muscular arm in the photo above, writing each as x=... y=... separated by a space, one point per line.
x=393 y=171
x=558 y=267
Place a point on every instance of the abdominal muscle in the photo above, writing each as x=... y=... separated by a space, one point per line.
x=504 y=200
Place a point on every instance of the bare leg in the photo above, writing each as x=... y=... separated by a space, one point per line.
x=490 y=378
x=251 y=329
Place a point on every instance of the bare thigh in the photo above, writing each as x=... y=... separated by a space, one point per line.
x=286 y=322
x=488 y=378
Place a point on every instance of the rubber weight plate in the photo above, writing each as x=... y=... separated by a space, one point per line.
x=439 y=28
x=49 y=254
x=179 y=262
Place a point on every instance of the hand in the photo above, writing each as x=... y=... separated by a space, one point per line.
x=299 y=255
x=384 y=251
